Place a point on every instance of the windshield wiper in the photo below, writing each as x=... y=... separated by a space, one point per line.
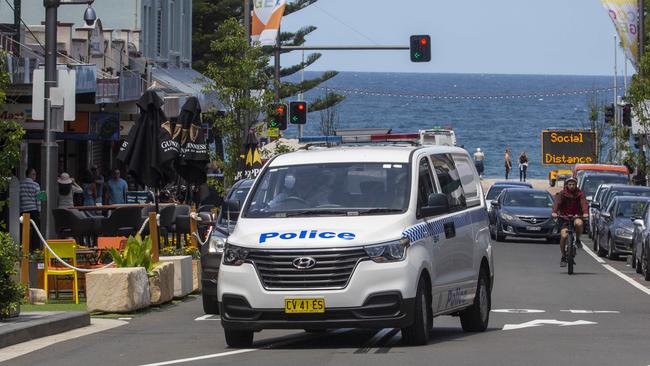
x=371 y=211
x=312 y=212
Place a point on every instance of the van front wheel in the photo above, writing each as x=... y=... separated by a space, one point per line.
x=239 y=338
x=476 y=317
x=417 y=334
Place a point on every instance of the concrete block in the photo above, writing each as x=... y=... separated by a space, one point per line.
x=182 y=274
x=117 y=290
x=37 y=296
x=196 y=275
x=161 y=284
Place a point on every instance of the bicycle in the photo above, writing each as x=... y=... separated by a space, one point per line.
x=571 y=246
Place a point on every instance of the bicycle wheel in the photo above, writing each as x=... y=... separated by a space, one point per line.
x=570 y=253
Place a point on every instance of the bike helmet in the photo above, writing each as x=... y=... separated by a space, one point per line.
x=571 y=179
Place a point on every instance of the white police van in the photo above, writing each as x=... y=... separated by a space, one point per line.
x=359 y=237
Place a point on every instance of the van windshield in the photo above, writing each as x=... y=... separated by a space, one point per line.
x=341 y=189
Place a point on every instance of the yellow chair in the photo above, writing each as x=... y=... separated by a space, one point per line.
x=66 y=249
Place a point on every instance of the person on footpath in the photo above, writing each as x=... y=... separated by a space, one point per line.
x=479 y=158
x=507 y=162
x=67 y=188
x=99 y=183
x=117 y=188
x=29 y=190
x=523 y=166
x=89 y=189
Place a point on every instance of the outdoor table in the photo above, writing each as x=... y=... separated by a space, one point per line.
x=89 y=255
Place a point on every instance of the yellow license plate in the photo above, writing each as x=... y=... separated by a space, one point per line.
x=296 y=306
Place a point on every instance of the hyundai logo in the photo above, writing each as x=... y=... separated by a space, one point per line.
x=304 y=262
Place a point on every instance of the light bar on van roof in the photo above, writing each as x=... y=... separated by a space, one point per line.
x=324 y=139
x=384 y=137
x=392 y=137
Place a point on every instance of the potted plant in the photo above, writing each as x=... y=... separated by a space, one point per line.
x=11 y=292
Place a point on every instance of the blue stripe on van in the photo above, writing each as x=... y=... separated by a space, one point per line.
x=436 y=227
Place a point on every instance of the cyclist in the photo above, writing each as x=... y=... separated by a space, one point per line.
x=570 y=202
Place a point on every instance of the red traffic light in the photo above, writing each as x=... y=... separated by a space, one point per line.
x=423 y=41
x=280 y=109
x=301 y=107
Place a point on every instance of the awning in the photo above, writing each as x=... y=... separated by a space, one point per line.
x=189 y=82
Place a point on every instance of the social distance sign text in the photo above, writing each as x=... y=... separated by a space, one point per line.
x=568 y=147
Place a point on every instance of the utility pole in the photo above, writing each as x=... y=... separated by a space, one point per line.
x=616 y=107
x=17 y=16
x=642 y=139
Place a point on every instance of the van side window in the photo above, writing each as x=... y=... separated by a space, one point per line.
x=468 y=180
x=425 y=183
x=449 y=180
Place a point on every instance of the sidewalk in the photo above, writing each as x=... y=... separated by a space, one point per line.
x=37 y=324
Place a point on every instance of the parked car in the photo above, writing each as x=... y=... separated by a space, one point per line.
x=522 y=212
x=614 y=190
x=615 y=225
x=590 y=180
x=641 y=244
x=211 y=253
x=494 y=191
x=601 y=191
x=513 y=183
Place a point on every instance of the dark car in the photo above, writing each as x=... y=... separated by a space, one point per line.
x=615 y=225
x=641 y=244
x=522 y=212
x=601 y=191
x=211 y=253
x=589 y=182
x=513 y=183
x=494 y=191
x=614 y=190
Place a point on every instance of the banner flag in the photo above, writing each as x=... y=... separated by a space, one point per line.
x=267 y=15
x=625 y=15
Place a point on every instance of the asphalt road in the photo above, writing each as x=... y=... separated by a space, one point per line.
x=541 y=316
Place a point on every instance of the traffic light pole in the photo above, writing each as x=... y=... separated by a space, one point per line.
x=644 y=136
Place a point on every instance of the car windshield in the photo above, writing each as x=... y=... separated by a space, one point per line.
x=527 y=199
x=330 y=190
x=494 y=192
x=631 y=209
x=625 y=192
x=590 y=184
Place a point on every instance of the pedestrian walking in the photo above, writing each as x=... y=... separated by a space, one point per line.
x=67 y=189
x=507 y=162
x=479 y=158
x=29 y=190
x=117 y=188
x=523 y=166
x=89 y=189
x=99 y=183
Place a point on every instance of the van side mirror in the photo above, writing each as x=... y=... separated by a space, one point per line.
x=605 y=215
x=230 y=209
x=437 y=204
x=495 y=204
x=595 y=205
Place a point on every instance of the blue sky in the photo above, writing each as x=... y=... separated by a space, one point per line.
x=470 y=36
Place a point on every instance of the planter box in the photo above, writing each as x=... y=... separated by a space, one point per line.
x=182 y=274
x=196 y=275
x=14 y=311
x=117 y=290
x=161 y=285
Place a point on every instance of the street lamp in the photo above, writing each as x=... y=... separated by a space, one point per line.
x=49 y=149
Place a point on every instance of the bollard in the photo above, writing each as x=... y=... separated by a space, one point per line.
x=153 y=234
x=24 y=263
x=194 y=228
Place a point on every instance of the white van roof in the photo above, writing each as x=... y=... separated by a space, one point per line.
x=362 y=154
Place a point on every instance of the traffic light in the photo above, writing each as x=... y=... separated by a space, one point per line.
x=420 y=48
x=609 y=114
x=277 y=115
x=637 y=141
x=298 y=113
x=627 y=115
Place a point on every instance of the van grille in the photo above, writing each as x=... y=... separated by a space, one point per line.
x=333 y=268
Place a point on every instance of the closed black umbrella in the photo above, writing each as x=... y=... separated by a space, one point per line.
x=149 y=150
x=193 y=157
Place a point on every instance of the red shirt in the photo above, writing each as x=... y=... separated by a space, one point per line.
x=569 y=203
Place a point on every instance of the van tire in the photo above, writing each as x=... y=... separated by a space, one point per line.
x=476 y=317
x=417 y=334
x=239 y=338
x=209 y=304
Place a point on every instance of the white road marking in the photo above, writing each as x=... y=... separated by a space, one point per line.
x=540 y=322
x=96 y=325
x=574 y=311
x=124 y=318
x=204 y=357
x=518 y=311
x=207 y=317
x=615 y=271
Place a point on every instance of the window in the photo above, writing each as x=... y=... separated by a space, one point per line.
x=425 y=184
x=468 y=180
x=449 y=180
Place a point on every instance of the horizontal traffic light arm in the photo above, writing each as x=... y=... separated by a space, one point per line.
x=358 y=48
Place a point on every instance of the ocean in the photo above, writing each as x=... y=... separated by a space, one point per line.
x=492 y=112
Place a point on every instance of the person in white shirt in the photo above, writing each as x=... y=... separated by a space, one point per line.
x=479 y=157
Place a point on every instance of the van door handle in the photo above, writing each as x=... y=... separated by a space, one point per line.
x=450 y=230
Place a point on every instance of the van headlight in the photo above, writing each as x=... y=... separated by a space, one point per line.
x=388 y=252
x=216 y=244
x=234 y=255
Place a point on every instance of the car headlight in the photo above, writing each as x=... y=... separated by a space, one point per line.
x=623 y=231
x=507 y=217
x=388 y=252
x=234 y=255
x=216 y=244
